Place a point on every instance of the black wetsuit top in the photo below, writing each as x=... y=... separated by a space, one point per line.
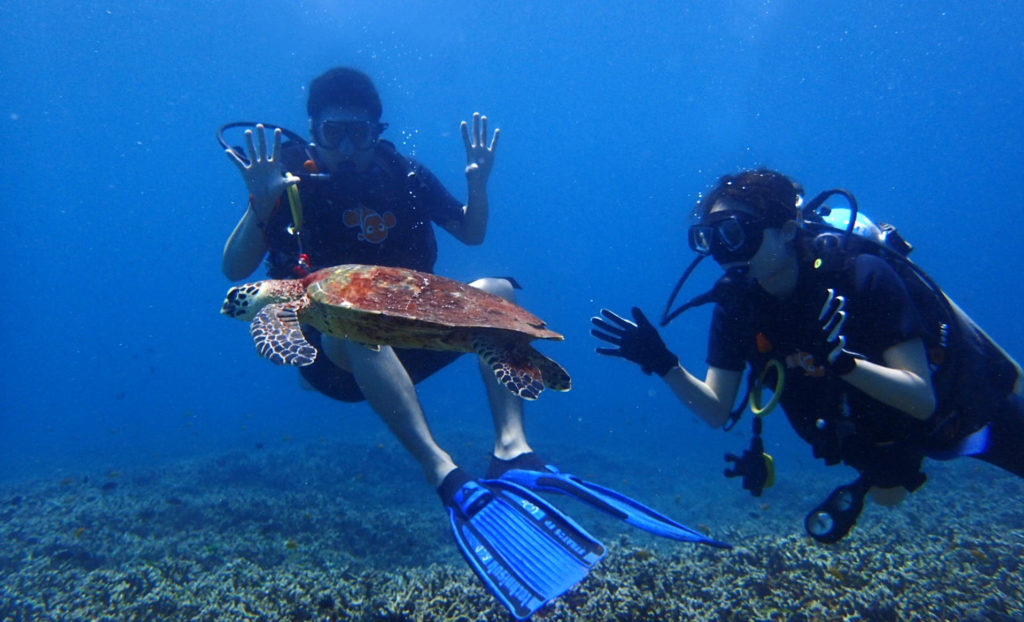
x=380 y=216
x=839 y=421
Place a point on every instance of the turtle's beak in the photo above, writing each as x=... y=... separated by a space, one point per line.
x=230 y=306
x=237 y=303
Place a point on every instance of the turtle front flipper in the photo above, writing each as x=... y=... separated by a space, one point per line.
x=277 y=334
x=512 y=366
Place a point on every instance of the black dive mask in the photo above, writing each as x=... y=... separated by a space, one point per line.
x=732 y=238
x=362 y=134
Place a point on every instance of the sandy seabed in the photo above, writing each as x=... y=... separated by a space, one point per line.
x=297 y=533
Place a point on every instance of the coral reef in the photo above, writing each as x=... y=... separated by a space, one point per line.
x=327 y=533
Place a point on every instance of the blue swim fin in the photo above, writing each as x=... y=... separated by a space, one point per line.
x=974 y=444
x=524 y=550
x=546 y=478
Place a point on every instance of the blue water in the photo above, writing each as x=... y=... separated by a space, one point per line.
x=614 y=116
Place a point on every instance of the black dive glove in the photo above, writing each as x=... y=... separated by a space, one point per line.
x=829 y=345
x=639 y=343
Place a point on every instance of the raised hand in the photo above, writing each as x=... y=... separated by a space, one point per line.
x=639 y=342
x=479 y=156
x=262 y=173
x=829 y=344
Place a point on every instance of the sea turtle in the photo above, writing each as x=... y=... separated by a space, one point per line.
x=377 y=305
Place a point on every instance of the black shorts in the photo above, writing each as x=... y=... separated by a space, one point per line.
x=335 y=382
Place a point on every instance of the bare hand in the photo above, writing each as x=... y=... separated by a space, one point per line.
x=262 y=173
x=479 y=156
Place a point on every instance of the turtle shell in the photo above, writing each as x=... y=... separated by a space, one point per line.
x=419 y=298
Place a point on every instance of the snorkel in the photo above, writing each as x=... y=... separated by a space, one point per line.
x=723 y=292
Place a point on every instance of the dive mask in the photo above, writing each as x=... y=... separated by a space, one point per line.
x=733 y=237
x=361 y=134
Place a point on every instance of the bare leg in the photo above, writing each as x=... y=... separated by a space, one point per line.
x=506 y=408
x=391 y=394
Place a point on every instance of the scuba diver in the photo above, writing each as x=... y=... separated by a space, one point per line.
x=350 y=197
x=873 y=365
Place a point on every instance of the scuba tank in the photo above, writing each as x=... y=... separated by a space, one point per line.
x=967 y=365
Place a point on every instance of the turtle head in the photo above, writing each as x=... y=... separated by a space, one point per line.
x=245 y=301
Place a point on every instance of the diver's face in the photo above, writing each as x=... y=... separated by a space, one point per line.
x=764 y=252
x=345 y=138
x=731 y=232
x=772 y=257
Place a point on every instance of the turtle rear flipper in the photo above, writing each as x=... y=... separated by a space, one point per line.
x=523 y=370
x=555 y=377
x=277 y=334
x=512 y=366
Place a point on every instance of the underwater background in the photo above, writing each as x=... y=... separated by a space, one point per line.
x=144 y=444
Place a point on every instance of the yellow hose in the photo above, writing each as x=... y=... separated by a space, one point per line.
x=755 y=392
x=296 y=204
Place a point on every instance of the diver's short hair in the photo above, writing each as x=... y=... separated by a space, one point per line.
x=343 y=86
x=764 y=191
